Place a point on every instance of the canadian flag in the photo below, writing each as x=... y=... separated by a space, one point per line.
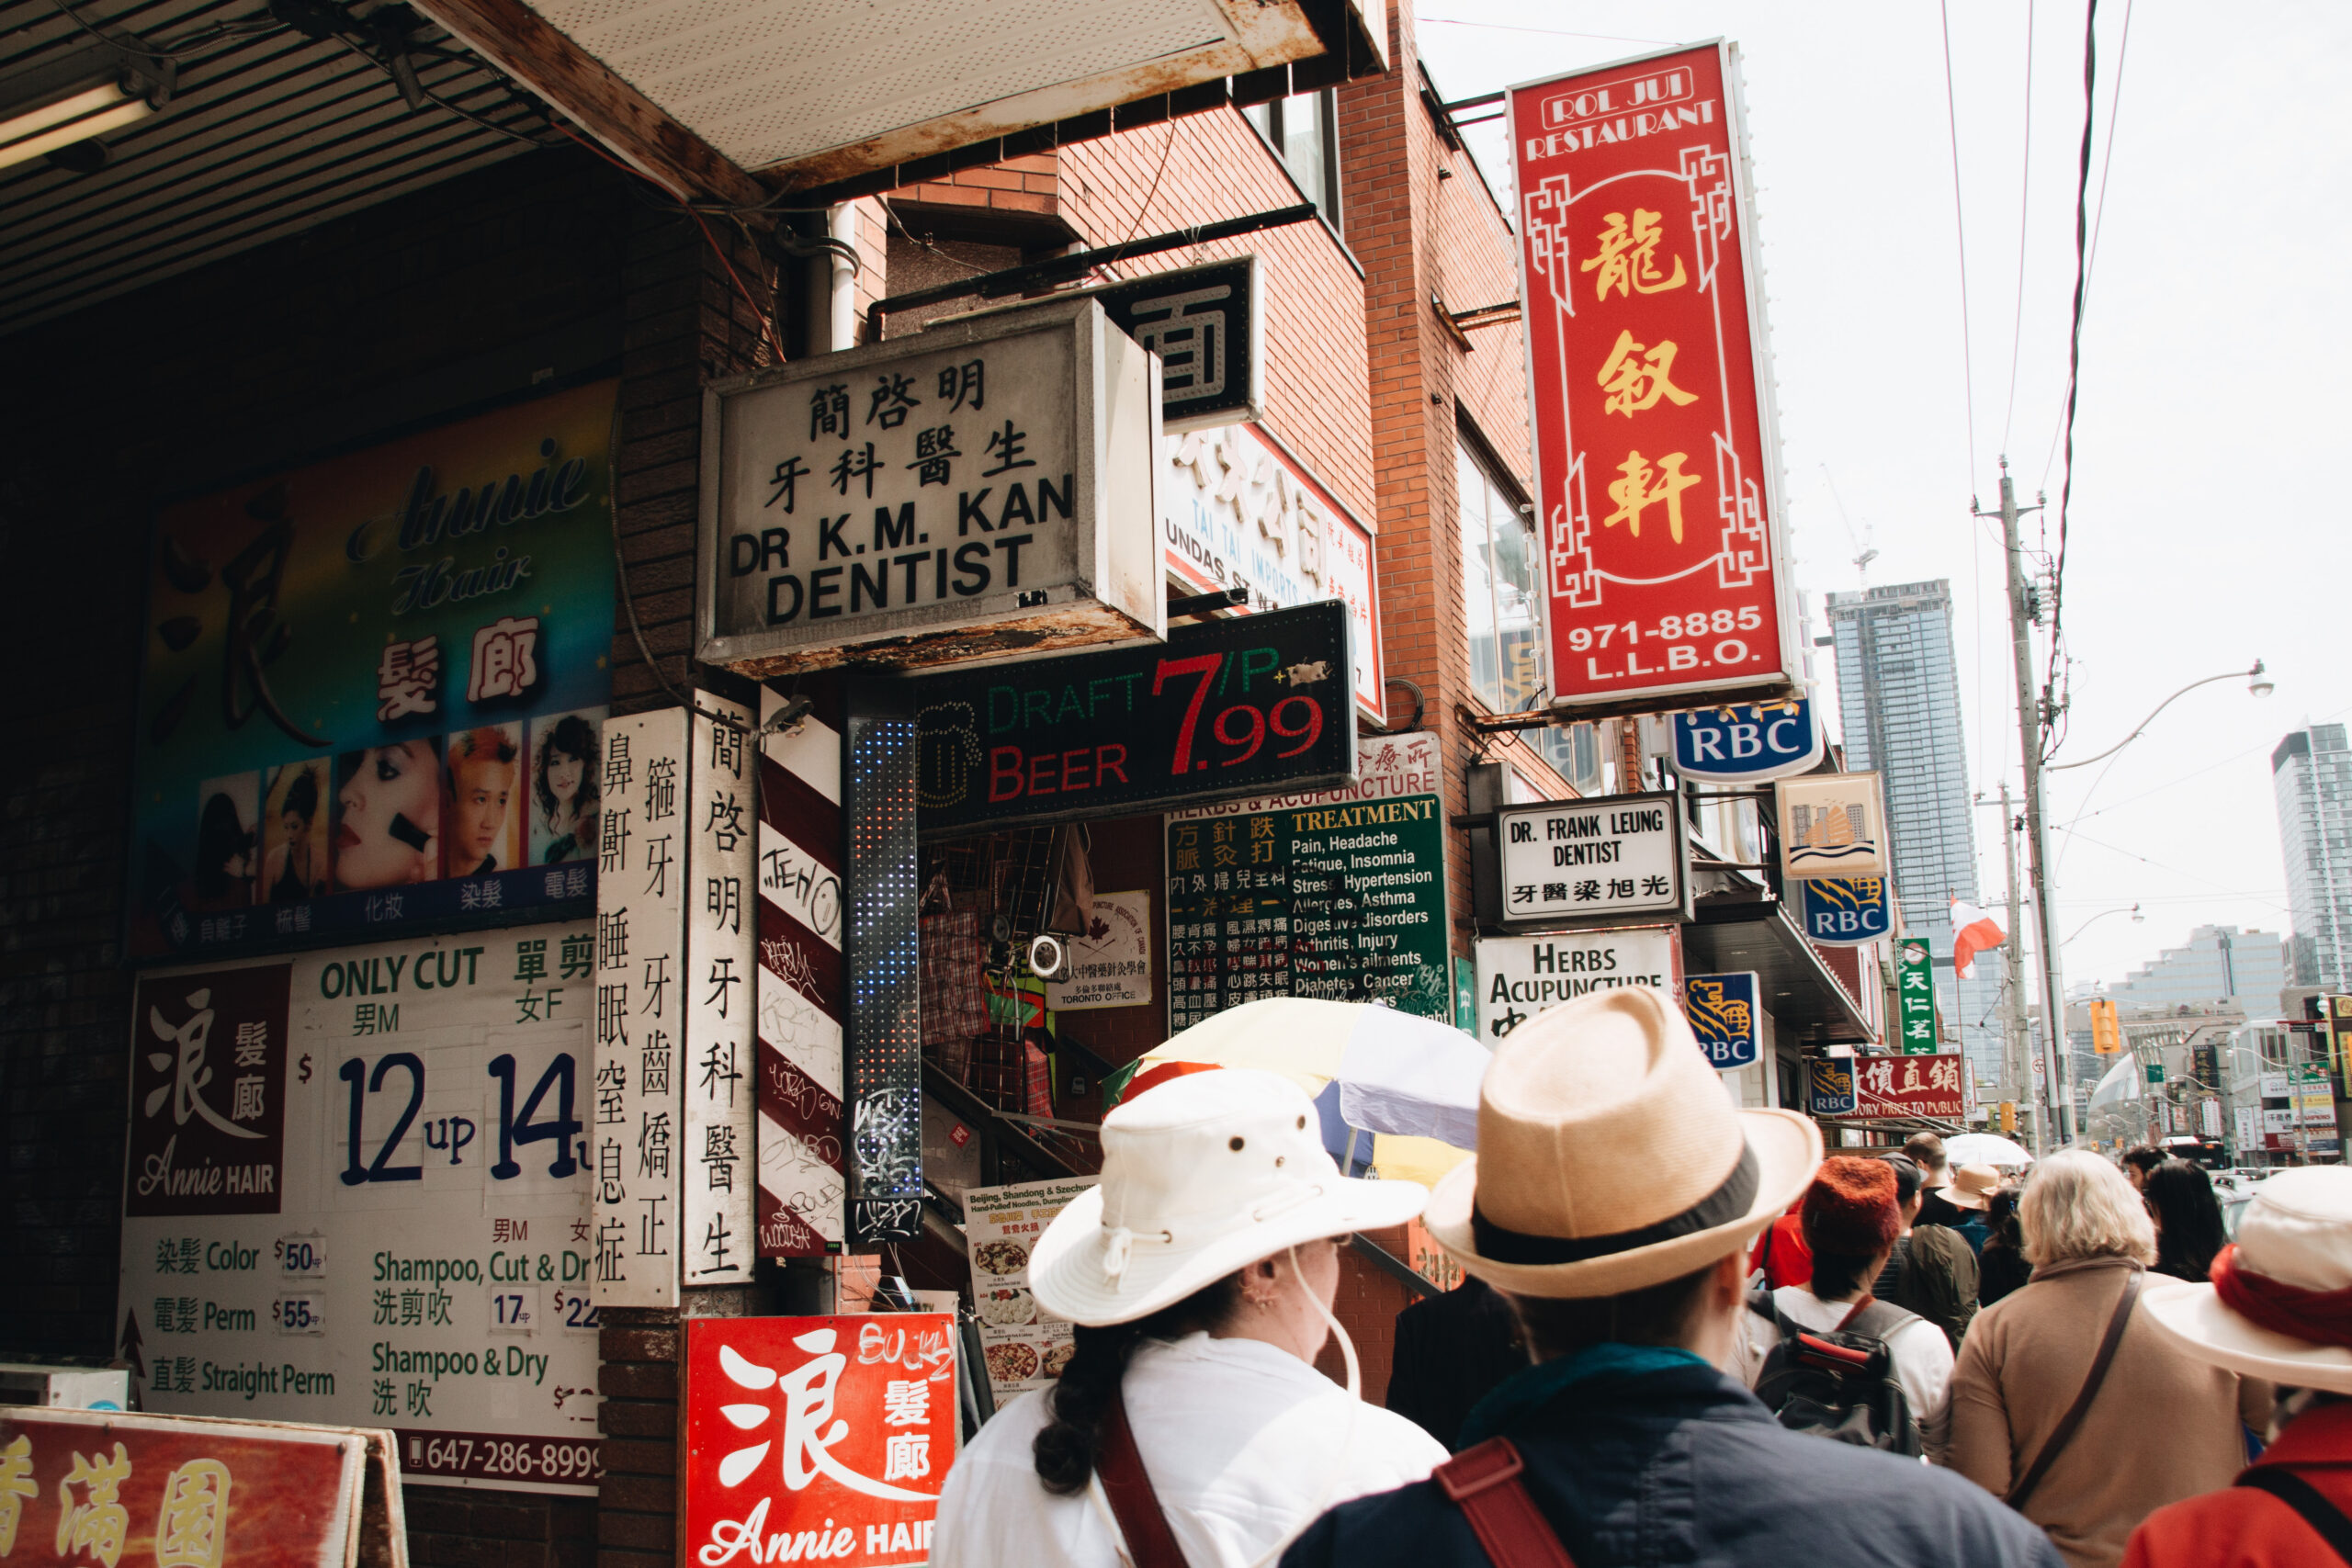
x=1972 y=931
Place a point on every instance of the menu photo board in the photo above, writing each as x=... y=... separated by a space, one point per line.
x=374 y=688
x=1337 y=894
x=359 y=1193
x=1025 y=1345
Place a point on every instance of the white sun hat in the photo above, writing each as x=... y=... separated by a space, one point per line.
x=1610 y=1156
x=1202 y=1174
x=2280 y=1306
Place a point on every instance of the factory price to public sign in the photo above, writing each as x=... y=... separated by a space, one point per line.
x=1655 y=451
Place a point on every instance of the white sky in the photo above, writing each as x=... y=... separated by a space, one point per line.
x=2207 y=528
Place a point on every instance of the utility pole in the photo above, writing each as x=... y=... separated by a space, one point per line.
x=2016 y=1036
x=2023 y=612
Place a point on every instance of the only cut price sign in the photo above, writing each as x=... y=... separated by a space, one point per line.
x=1656 y=454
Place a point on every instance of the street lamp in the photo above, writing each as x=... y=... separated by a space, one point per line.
x=2133 y=910
x=2037 y=818
x=2257 y=684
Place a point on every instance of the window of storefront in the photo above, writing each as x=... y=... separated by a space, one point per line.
x=1501 y=586
x=1304 y=134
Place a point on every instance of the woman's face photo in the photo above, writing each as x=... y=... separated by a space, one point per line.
x=388 y=816
x=563 y=775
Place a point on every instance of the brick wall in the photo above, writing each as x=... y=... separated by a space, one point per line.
x=405 y=315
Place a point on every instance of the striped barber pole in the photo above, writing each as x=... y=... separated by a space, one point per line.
x=802 y=1000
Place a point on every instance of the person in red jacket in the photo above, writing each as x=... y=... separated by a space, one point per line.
x=1782 y=1253
x=2280 y=1306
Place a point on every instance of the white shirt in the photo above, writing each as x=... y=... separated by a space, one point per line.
x=1243 y=1442
x=1923 y=1359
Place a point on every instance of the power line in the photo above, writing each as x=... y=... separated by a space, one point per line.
x=1960 y=232
x=2025 y=207
x=2098 y=218
x=2075 y=335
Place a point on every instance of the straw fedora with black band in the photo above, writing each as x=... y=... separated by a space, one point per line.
x=1610 y=1156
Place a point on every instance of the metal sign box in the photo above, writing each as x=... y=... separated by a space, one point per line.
x=983 y=490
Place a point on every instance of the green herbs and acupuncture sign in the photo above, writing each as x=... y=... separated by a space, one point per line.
x=1337 y=894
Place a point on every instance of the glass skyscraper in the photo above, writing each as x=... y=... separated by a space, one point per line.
x=1899 y=700
x=2311 y=773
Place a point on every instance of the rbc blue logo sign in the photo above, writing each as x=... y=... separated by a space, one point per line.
x=1832 y=1086
x=1725 y=1016
x=1747 y=744
x=1844 y=911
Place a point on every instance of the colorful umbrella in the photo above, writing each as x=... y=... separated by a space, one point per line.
x=1395 y=1092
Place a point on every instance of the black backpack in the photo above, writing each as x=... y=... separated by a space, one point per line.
x=1839 y=1383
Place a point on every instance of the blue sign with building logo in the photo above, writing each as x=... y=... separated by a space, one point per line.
x=1846 y=911
x=1831 y=1087
x=1748 y=743
x=1725 y=1016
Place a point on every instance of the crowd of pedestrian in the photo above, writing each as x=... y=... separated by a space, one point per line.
x=1685 y=1336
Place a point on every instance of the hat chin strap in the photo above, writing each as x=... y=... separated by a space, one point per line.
x=1347 y=1439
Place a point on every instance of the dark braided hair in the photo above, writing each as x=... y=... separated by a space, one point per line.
x=1066 y=1449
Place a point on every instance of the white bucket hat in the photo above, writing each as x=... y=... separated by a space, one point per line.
x=2286 y=1283
x=1610 y=1156
x=1202 y=1174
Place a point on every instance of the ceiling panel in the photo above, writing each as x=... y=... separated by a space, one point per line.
x=266 y=134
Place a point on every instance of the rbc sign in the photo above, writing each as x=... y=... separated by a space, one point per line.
x=1844 y=911
x=1723 y=1015
x=1747 y=744
x=1831 y=1084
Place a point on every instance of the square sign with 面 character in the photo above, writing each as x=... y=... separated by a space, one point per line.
x=817 y=1438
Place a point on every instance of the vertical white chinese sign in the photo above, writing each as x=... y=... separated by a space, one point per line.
x=721 y=1084
x=640 y=1009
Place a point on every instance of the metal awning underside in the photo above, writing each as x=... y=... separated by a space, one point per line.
x=737 y=99
x=1799 y=990
x=265 y=135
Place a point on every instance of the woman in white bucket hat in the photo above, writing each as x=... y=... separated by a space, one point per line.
x=1191 y=1419
x=2279 y=1307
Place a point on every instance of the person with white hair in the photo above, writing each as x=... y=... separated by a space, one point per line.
x=2060 y=1384
x=1190 y=1425
x=2279 y=1306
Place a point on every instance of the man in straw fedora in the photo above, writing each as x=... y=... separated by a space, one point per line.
x=1612 y=1200
x=2279 y=1307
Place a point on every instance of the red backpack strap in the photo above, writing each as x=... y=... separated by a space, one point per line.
x=1134 y=1503
x=1485 y=1483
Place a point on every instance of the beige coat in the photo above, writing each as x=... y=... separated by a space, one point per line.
x=2163 y=1426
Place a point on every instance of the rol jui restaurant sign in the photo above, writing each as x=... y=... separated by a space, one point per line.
x=984 y=491
x=1655 y=451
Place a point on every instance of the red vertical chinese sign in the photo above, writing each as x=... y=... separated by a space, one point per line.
x=1655 y=456
x=817 y=1438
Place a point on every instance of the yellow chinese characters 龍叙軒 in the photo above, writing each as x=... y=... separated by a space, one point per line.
x=1627 y=260
x=1643 y=488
